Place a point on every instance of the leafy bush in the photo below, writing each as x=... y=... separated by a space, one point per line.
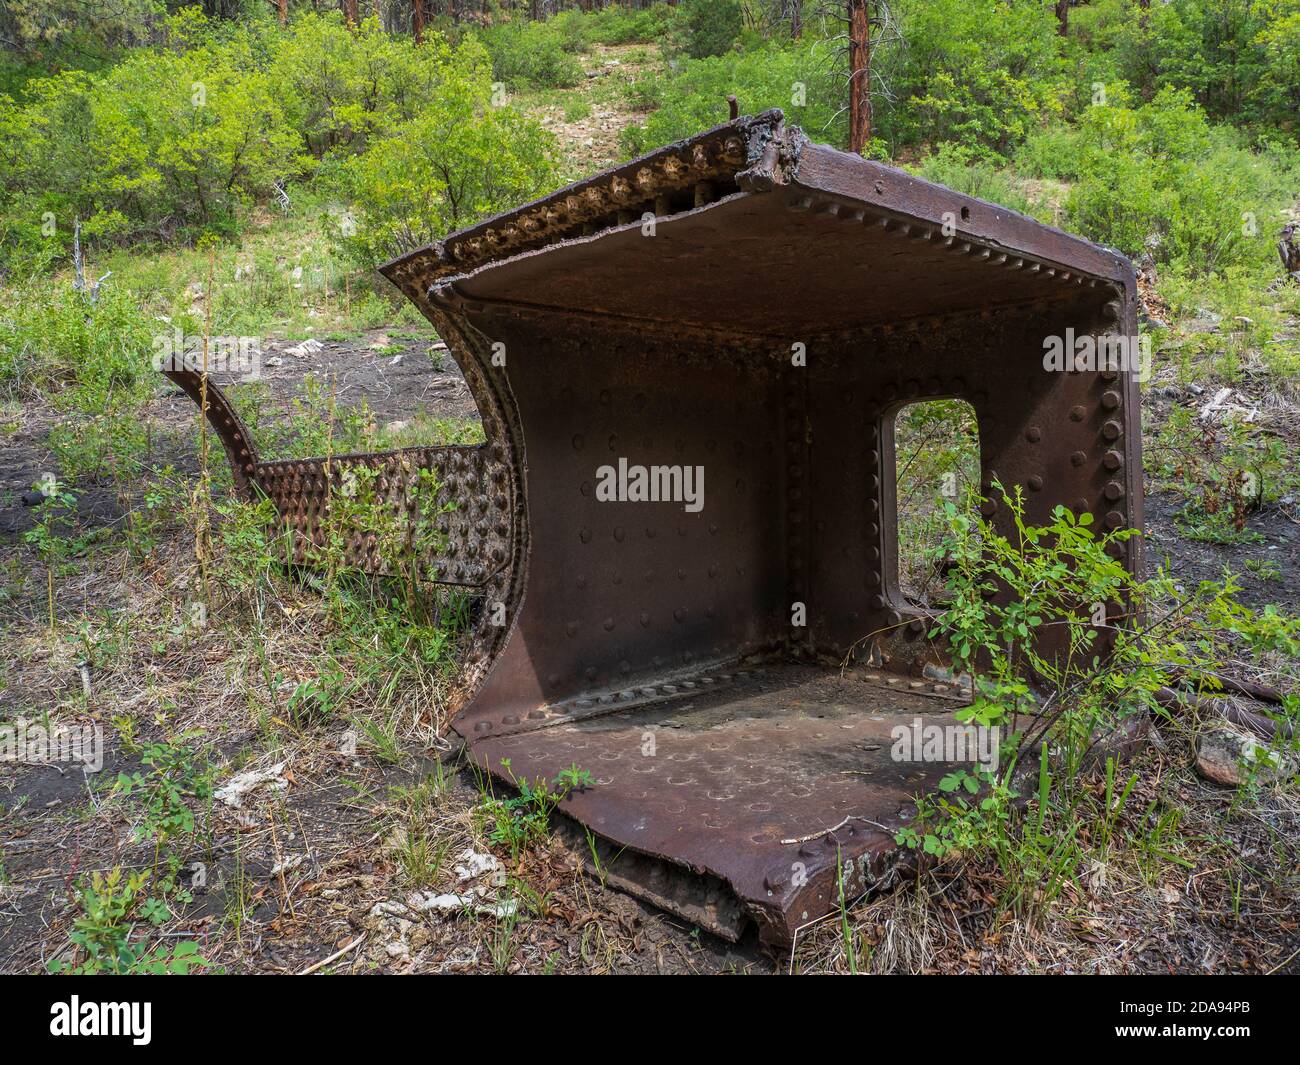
x=458 y=161
x=798 y=79
x=1237 y=60
x=1158 y=178
x=952 y=165
x=528 y=55
x=620 y=25
x=344 y=87
x=983 y=73
x=177 y=139
x=162 y=142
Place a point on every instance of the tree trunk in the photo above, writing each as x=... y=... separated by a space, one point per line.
x=859 y=75
x=796 y=19
x=1062 y=18
x=419 y=21
x=283 y=6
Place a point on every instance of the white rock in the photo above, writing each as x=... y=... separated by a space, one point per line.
x=232 y=793
x=472 y=864
x=308 y=347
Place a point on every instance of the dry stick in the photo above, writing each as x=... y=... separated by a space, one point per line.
x=203 y=492
x=335 y=956
x=279 y=860
x=824 y=831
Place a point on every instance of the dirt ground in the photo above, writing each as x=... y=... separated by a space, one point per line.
x=309 y=864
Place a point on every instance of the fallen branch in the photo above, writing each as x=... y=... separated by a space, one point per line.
x=1263 y=727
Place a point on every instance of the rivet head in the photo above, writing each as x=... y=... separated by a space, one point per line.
x=1078 y=458
x=1077 y=414
x=1110 y=400
x=1112 y=460
x=1036 y=483
x=1113 y=491
x=1033 y=434
x=1114 y=519
x=1112 y=430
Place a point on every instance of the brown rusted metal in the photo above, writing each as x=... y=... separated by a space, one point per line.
x=469 y=536
x=224 y=420
x=760 y=307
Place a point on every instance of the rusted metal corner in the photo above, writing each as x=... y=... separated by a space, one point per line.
x=678 y=177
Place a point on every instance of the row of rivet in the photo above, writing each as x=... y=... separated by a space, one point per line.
x=593 y=703
x=932 y=233
x=649 y=185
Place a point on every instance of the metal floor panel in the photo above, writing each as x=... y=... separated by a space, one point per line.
x=724 y=776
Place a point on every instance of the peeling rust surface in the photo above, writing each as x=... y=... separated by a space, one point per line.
x=588 y=337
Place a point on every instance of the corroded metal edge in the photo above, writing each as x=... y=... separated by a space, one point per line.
x=225 y=422
x=680 y=176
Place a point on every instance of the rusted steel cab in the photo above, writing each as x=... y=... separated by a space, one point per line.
x=683 y=520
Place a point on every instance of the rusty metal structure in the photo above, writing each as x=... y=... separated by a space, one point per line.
x=758 y=307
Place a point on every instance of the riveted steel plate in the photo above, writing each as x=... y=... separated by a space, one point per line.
x=470 y=540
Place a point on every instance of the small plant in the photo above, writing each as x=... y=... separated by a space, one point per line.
x=43 y=537
x=1052 y=602
x=176 y=776
x=103 y=935
x=520 y=822
x=1265 y=569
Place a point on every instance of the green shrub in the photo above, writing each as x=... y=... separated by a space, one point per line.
x=460 y=160
x=534 y=55
x=164 y=142
x=953 y=166
x=342 y=88
x=619 y=25
x=694 y=96
x=708 y=27
x=982 y=73
x=1158 y=178
x=1237 y=60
